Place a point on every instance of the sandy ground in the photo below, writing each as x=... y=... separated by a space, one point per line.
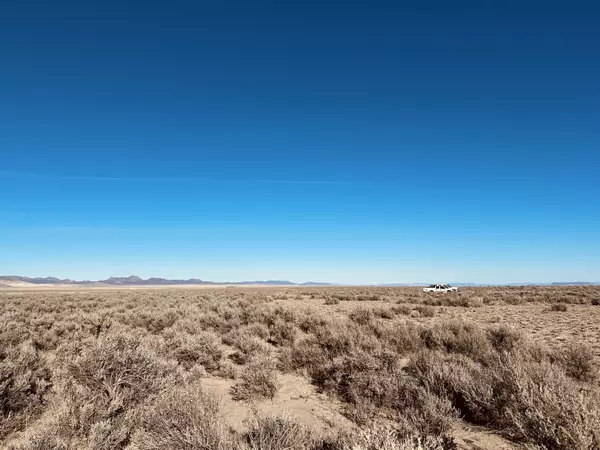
x=470 y=437
x=296 y=397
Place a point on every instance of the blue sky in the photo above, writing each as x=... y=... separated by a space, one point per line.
x=353 y=142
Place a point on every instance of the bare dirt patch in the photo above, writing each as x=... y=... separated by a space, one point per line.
x=296 y=397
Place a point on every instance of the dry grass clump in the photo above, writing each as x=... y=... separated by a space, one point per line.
x=476 y=302
x=282 y=333
x=260 y=330
x=384 y=313
x=284 y=432
x=248 y=347
x=402 y=309
x=227 y=369
x=558 y=307
x=203 y=348
x=425 y=311
x=503 y=338
x=385 y=437
x=258 y=380
x=332 y=300
x=459 y=337
x=362 y=316
x=579 y=362
x=25 y=381
x=183 y=418
x=277 y=433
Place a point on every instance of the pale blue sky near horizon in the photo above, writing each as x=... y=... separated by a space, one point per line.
x=349 y=142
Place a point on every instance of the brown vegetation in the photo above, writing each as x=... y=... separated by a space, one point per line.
x=126 y=369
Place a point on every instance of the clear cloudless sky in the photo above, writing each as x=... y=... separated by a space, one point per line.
x=351 y=142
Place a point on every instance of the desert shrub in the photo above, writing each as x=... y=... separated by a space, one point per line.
x=331 y=300
x=456 y=377
x=371 y=381
x=38 y=437
x=337 y=375
x=366 y=298
x=210 y=320
x=414 y=407
x=154 y=322
x=546 y=398
x=194 y=373
x=511 y=298
x=260 y=330
x=401 y=338
x=101 y=383
x=525 y=400
x=558 y=307
x=458 y=337
x=384 y=313
x=94 y=324
x=304 y=355
x=227 y=369
x=578 y=362
x=385 y=437
x=248 y=346
x=278 y=433
x=24 y=384
x=202 y=348
x=425 y=311
x=402 y=309
x=183 y=418
x=282 y=333
x=338 y=338
x=475 y=302
x=310 y=321
x=361 y=316
x=14 y=332
x=596 y=301
x=503 y=338
x=455 y=300
x=258 y=380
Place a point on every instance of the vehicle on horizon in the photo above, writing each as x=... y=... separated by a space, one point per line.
x=440 y=288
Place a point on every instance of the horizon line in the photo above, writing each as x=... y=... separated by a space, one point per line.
x=265 y=280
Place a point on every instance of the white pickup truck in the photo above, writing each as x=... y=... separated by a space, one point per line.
x=440 y=288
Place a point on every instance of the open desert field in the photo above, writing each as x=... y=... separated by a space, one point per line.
x=300 y=368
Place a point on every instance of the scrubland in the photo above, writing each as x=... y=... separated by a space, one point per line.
x=301 y=368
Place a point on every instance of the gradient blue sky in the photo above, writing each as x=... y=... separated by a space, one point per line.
x=353 y=142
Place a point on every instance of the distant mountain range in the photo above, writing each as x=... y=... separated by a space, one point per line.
x=137 y=281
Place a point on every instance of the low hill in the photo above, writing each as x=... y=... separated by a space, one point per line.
x=133 y=280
